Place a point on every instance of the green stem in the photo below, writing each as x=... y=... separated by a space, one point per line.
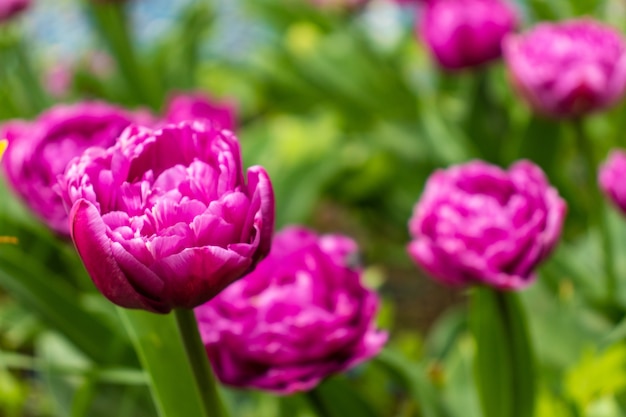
x=317 y=403
x=113 y=26
x=171 y=353
x=595 y=206
x=504 y=363
x=18 y=71
x=30 y=80
x=205 y=379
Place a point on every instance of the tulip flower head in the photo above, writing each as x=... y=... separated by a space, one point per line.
x=611 y=178
x=568 y=69
x=11 y=8
x=300 y=316
x=478 y=224
x=197 y=106
x=164 y=218
x=466 y=33
x=40 y=150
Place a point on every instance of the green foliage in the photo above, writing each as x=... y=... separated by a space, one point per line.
x=596 y=376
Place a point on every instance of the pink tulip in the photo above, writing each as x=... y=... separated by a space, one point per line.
x=478 y=224
x=301 y=316
x=568 y=69
x=165 y=218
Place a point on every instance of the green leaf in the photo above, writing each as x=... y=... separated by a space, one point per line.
x=597 y=375
x=414 y=379
x=111 y=22
x=336 y=398
x=80 y=387
x=504 y=361
x=172 y=368
x=55 y=303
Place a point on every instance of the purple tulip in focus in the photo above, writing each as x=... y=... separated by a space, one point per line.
x=11 y=8
x=478 y=224
x=40 y=150
x=195 y=106
x=466 y=33
x=611 y=178
x=568 y=69
x=300 y=316
x=165 y=218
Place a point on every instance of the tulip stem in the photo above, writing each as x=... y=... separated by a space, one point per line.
x=174 y=360
x=596 y=205
x=317 y=403
x=205 y=379
x=504 y=361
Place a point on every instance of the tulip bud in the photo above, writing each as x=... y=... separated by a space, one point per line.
x=197 y=106
x=466 y=33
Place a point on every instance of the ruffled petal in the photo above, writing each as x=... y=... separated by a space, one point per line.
x=89 y=234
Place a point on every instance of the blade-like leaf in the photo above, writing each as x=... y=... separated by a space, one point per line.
x=504 y=363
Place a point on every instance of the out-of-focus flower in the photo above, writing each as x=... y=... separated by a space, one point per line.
x=197 y=106
x=466 y=33
x=40 y=150
x=611 y=178
x=478 y=224
x=11 y=8
x=99 y=63
x=58 y=79
x=568 y=69
x=165 y=219
x=302 y=315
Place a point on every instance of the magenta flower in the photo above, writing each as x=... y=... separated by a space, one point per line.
x=478 y=224
x=40 y=150
x=164 y=219
x=466 y=33
x=58 y=79
x=197 y=106
x=302 y=315
x=11 y=8
x=611 y=178
x=568 y=69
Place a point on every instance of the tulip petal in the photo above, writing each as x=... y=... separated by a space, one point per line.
x=198 y=274
x=89 y=234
